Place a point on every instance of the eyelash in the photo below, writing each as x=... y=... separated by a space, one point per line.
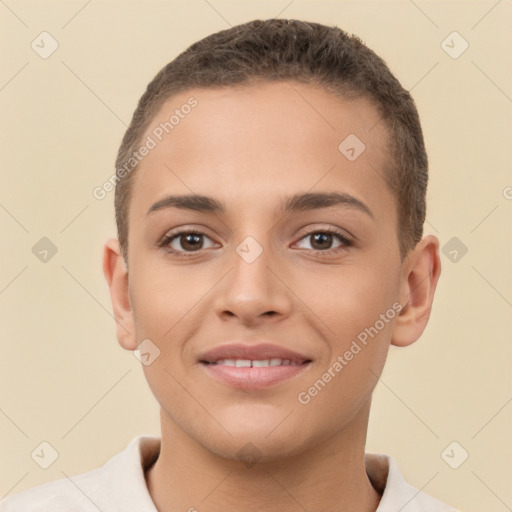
x=167 y=239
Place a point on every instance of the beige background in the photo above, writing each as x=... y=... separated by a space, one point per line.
x=64 y=378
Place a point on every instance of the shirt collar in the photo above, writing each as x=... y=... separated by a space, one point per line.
x=397 y=494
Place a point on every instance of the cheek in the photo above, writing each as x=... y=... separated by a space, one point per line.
x=349 y=298
x=162 y=297
x=356 y=309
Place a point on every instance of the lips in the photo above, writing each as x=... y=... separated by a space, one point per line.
x=260 y=352
x=253 y=367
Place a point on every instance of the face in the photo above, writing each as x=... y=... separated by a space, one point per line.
x=294 y=244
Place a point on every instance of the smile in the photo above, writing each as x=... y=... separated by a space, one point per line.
x=249 y=363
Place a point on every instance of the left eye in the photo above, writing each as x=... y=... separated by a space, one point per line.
x=321 y=240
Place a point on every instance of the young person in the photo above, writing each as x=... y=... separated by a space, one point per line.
x=270 y=201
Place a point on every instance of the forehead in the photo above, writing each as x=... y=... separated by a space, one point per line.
x=257 y=141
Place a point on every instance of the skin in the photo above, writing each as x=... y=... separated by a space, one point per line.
x=249 y=147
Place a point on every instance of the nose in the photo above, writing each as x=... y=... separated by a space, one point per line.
x=254 y=290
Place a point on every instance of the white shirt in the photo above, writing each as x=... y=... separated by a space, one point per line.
x=119 y=486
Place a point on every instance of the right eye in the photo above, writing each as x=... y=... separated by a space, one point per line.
x=189 y=240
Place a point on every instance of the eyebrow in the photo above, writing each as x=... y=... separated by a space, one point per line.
x=297 y=202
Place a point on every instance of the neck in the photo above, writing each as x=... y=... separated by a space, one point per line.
x=328 y=475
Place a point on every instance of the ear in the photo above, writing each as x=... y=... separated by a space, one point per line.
x=116 y=274
x=420 y=273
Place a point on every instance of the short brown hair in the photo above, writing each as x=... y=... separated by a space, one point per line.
x=280 y=50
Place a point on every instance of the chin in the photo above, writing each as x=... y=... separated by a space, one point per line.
x=251 y=448
x=262 y=441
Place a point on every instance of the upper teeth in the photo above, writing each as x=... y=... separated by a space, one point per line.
x=257 y=362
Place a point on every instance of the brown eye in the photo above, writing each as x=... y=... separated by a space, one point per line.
x=185 y=241
x=191 y=241
x=322 y=240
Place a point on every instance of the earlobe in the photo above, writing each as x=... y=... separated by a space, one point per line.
x=421 y=270
x=116 y=274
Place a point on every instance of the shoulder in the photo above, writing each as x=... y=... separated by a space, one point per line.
x=118 y=485
x=397 y=494
x=73 y=494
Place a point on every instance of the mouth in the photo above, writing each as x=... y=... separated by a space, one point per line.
x=256 y=363
x=253 y=367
